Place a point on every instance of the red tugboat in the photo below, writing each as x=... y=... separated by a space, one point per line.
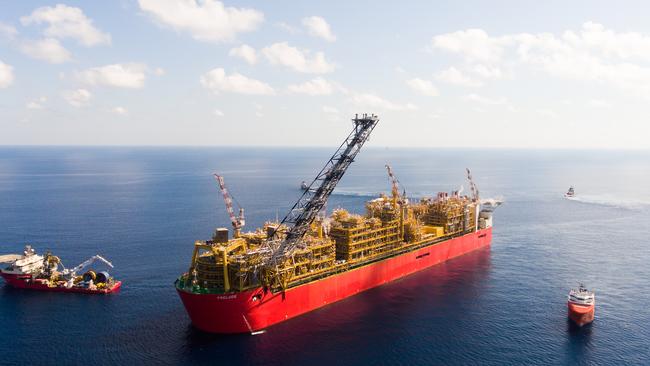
x=37 y=272
x=581 y=304
x=253 y=280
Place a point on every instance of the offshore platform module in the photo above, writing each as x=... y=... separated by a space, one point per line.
x=256 y=279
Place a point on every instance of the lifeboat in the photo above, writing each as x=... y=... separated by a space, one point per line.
x=581 y=305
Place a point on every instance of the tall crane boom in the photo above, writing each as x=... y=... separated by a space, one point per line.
x=237 y=221
x=86 y=263
x=315 y=196
x=394 y=184
x=472 y=186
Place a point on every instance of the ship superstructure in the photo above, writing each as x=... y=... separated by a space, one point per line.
x=581 y=305
x=256 y=279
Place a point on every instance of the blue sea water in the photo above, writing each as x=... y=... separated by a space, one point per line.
x=142 y=208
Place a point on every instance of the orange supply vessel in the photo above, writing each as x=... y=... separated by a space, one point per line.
x=252 y=280
x=581 y=305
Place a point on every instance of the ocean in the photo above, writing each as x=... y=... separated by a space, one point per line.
x=143 y=207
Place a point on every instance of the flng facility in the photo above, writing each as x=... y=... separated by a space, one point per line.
x=256 y=279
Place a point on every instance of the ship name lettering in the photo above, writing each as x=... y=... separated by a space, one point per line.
x=226 y=297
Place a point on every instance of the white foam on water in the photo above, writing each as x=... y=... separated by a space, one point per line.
x=610 y=201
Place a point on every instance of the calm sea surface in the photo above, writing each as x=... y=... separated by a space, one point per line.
x=142 y=208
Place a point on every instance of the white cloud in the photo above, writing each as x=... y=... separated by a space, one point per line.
x=591 y=54
x=454 y=76
x=37 y=103
x=217 y=81
x=120 y=111
x=129 y=75
x=424 y=87
x=159 y=71
x=206 y=20
x=548 y=113
x=48 y=49
x=77 y=98
x=8 y=31
x=367 y=100
x=6 y=75
x=330 y=110
x=287 y=28
x=487 y=72
x=67 y=22
x=218 y=113
x=598 y=103
x=317 y=86
x=486 y=100
x=475 y=44
x=245 y=52
x=318 y=27
x=291 y=57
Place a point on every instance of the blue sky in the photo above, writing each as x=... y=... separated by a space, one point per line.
x=549 y=74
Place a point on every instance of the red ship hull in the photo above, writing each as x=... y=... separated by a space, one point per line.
x=26 y=282
x=581 y=314
x=255 y=309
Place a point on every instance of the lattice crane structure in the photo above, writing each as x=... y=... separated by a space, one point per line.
x=313 y=199
x=472 y=186
x=237 y=221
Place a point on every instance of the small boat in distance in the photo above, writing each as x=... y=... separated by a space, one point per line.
x=581 y=305
x=570 y=193
x=304 y=186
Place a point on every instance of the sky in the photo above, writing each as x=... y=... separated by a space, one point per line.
x=498 y=74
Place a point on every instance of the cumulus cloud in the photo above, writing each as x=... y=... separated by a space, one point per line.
x=317 y=86
x=129 y=75
x=599 y=103
x=368 y=100
x=77 y=98
x=487 y=72
x=424 y=87
x=330 y=110
x=206 y=20
x=48 y=49
x=318 y=27
x=293 y=58
x=591 y=54
x=454 y=76
x=245 y=52
x=218 y=81
x=67 y=22
x=37 y=103
x=287 y=28
x=218 y=113
x=120 y=111
x=475 y=44
x=486 y=100
x=6 y=75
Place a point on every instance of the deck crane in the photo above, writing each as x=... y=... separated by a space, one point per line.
x=73 y=271
x=237 y=221
x=315 y=196
x=394 y=186
x=472 y=186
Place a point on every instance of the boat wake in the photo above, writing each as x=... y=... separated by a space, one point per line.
x=609 y=201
